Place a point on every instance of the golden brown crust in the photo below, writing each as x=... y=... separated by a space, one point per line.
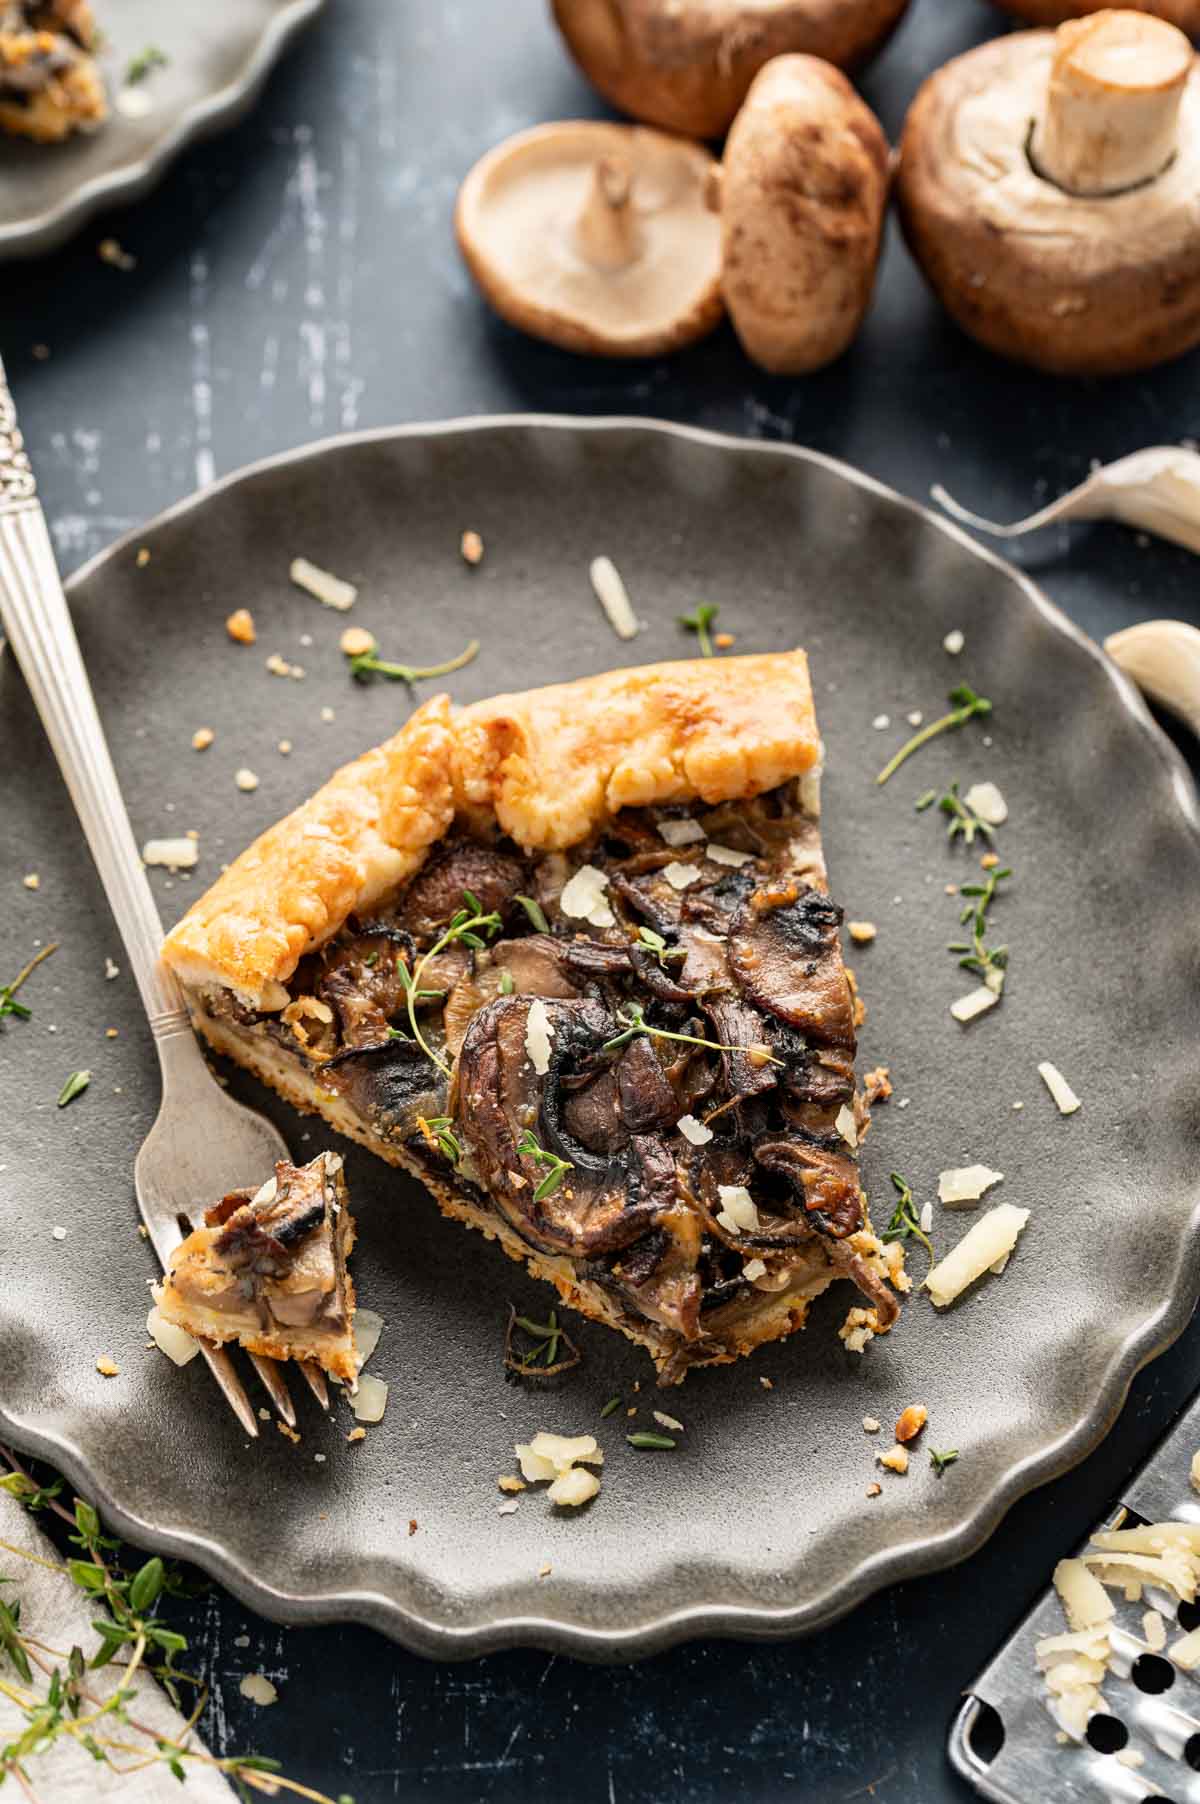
x=549 y=765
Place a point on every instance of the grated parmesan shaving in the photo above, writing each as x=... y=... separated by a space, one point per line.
x=583 y=894
x=680 y=833
x=176 y=854
x=993 y=1237
x=975 y=1002
x=613 y=596
x=169 y=1338
x=846 y=1125
x=367 y=1329
x=258 y=1688
x=738 y=1213
x=679 y=876
x=694 y=1130
x=575 y=1487
x=1154 y=1630
x=1065 y=1098
x=1186 y=1652
x=985 y=800
x=728 y=855
x=1085 y=1601
x=370 y=1399
x=538 y=1035
x=966 y=1183
x=328 y=589
x=754 y=1268
x=666 y=1421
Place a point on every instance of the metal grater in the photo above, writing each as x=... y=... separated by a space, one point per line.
x=1162 y=1725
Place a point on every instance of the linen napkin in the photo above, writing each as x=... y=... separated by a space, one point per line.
x=57 y=1613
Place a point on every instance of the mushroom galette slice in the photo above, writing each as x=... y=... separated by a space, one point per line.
x=49 y=83
x=268 y=1270
x=568 y=957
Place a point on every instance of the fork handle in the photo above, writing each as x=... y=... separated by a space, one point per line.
x=33 y=610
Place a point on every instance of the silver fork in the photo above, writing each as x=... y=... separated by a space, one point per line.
x=202 y=1144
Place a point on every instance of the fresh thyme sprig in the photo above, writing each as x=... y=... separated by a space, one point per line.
x=699 y=623
x=8 y=1003
x=634 y=1022
x=467 y=927
x=369 y=664
x=939 y=1461
x=966 y=705
x=989 y=963
x=654 y=942
x=905 y=1223
x=71 y=1705
x=541 y=1358
x=964 y=822
x=141 y=65
x=438 y=1131
x=555 y=1168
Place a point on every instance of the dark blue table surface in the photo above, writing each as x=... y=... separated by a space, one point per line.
x=298 y=277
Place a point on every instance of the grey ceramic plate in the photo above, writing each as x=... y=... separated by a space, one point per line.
x=218 y=55
x=759 y=1522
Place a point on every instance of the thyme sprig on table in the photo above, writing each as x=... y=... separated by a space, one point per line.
x=8 y=992
x=654 y=942
x=144 y=63
x=469 y=926
x=633 y=1022
x=55 y=1693
x=369 y=664
x=966 y=705
x=555 y=1168
x=541 y=1358
x=700 y=623
x=939 y=1461
x=989 y=963
x=905 y=1223
x=965 y=824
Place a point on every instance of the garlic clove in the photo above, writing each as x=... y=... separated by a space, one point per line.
x=1163 y=659
x=1157 y=490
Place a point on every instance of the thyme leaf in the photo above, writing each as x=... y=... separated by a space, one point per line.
x=925 y=800
x=438 y=1130
x=646 y=1441
x=535 y=912
x=555 y=1168
x=75 y=1085
x=905 y=1223
x=966 y=705
x=369 y=664
x=8 y=991
x=699 y=623
x=965 y=824
x=633 y=1022
x=473 y=929
x=610 y=1408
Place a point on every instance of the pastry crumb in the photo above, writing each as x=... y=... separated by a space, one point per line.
x=58 y=1233
x=327 y=714
x=911 y=1421
x=357 y=1434
x=471 y=547
x=112 y=252
x=289 y=1434
x=356 y=642
x=284 y=746
x=107 y=1368
x=412 y=1525
x=279 y=666
x=723 y=641
x=31 y=880
x=953 y=642
x=111 y=970
x=862 y=932
x=258 y=1688
x=895 y=1459
x=989 y=861
x=143 y=557
x=546 y=1570
x=767 y=1384
x=246 y=779
x=508 y=1482
x=881 y=721
x=877 y=1085
x=240 y=627
x=914 y=717
x=871 y=1425
x=110 y=1033
x=874 y=1490
x=202 y=738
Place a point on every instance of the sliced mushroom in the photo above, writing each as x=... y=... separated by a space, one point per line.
x=1074 y=244
x=802 y=195
x=786 y=957
x=460 y=866
x=827 y=1181
x=595 y=237
x=687 y=66
x=1184 y=13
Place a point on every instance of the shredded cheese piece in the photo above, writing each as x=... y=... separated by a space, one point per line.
x=694 y=1130
x=985 y=800
x=1084 y=1599
x=846 y=1125
x=680 y=833
x=583 y=896
x=370 y=1399
x=613 y=597
x=728 y=855
x=1065 y=1098
x=966 y=1183
x=367 y=1329
x=679 y=876
x=573 y=1488
x=169 y=1338
x=176 y=854
x=538 y=1035
x=326 y=588
x=975 y=1002
x=738 y=1212
x=993 y=1237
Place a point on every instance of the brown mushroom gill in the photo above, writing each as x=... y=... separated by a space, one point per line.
x=738 y=977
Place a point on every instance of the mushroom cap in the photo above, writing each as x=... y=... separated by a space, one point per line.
x=1070 y=284
x=687 y=64
x=803 y=193
x=518 y=221
x=1184 y=13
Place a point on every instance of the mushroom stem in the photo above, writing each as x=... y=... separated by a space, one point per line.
x=1112 y=103
x=606 y=231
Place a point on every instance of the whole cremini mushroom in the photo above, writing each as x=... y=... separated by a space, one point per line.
x=688 y=64
x=1049 y=187
x=802 y=193
x=1184 y=13
x=595 y=237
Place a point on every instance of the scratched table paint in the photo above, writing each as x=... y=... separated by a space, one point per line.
x=299 y=277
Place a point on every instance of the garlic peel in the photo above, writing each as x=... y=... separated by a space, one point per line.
x=1163 y=659
x=1157 y=490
